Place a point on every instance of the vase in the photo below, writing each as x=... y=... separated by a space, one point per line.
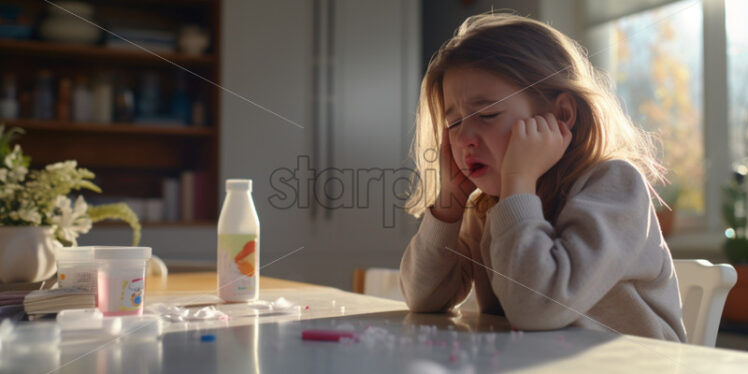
x=27 y=253
x=736 y=305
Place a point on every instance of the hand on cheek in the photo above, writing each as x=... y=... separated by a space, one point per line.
x=536 y=144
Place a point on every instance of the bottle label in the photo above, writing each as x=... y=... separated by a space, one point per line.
x=238 y=257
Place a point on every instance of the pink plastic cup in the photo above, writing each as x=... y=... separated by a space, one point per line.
x=121 y=279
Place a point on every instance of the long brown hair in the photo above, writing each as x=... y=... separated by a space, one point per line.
x=544 y=62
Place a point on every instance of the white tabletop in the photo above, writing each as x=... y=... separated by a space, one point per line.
x=391 y=340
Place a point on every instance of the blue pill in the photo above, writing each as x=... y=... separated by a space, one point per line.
x=207 y=338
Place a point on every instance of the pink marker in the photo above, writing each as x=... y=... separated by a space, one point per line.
x=327 y=335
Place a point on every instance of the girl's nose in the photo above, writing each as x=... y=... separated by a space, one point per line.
x=467 y=135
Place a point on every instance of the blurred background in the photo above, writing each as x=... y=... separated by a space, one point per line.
x=314 y=101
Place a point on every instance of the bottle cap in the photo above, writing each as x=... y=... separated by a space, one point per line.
x=239 y=185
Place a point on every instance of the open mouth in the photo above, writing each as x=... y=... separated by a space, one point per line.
x=476 y=169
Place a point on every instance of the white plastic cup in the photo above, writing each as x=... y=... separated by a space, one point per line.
x=121 y=279
x=76 y=268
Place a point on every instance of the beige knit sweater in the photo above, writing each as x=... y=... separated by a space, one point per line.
x=604 y=265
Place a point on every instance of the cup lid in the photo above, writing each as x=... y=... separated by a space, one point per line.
x=75 y=254
x=121 y=253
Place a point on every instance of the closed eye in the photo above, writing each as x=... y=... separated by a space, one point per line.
x=451 y=125
x=489 y=116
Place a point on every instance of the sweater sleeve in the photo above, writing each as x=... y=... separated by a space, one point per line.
x=432 y=277
x=547 y=277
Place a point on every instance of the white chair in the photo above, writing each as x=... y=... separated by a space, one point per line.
x=382 y=282
x=378 y=282
x=703 y=290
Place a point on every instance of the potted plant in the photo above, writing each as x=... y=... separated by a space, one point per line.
x=37 y=216
x=734 y=209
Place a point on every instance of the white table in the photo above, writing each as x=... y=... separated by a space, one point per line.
x=396 y=341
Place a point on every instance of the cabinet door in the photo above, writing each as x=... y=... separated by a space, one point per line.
x=376 y=64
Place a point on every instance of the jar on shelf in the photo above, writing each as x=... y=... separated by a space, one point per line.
x=44 y=98
x=8 y=97
x=82 y=100
x=193 y=40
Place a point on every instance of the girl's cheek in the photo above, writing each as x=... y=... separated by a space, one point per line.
x=453 y=143
x=456 y=157
x=506 y=127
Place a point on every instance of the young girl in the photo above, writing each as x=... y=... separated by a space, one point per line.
x=543 y=201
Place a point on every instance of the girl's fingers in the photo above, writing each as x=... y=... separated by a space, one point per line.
x=542 y=125
x=552 y=123
x=520 y=128
x=531 y=126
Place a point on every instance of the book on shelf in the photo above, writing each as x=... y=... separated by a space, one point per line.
x=187 y=196
x=193 y=187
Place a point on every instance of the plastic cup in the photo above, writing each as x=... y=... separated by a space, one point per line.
x=76 y=268
x=121 y=279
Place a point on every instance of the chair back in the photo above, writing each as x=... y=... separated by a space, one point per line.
x=703 y=289
x=378 y=282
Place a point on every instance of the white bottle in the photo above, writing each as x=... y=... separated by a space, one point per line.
x=238 y=244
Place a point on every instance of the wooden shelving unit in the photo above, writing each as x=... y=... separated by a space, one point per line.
x=131 y=160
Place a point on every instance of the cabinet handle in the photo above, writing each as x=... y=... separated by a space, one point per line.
x=330 y=96
x=316 y=31
x=323 y=106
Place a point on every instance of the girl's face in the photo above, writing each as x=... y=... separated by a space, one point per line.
x=480 y=131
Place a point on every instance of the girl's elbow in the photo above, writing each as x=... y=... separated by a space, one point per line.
x=421 y=304
x=425 y=308
x=418 y=302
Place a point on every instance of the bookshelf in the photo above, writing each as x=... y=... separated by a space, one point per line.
x=132 y=154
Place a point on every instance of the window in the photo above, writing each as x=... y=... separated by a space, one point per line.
x=655 y=59
x=737 y=76
x=672 y=83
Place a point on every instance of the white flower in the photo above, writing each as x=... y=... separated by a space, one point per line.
x=3 y=175
x=9 y=160
x=27 y=212
x=71 y=222
x=30 y=215
x=66 y=166
x=17 y=174
x=14 y=157
x=7 y=191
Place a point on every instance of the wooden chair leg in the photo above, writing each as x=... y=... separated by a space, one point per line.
x=358 y=280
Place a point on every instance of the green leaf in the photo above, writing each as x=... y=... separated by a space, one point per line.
x=7 y=137
x=88 y=185
x=118 y=211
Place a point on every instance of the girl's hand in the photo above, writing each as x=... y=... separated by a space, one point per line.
x=455 y=186
x=535 y=146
